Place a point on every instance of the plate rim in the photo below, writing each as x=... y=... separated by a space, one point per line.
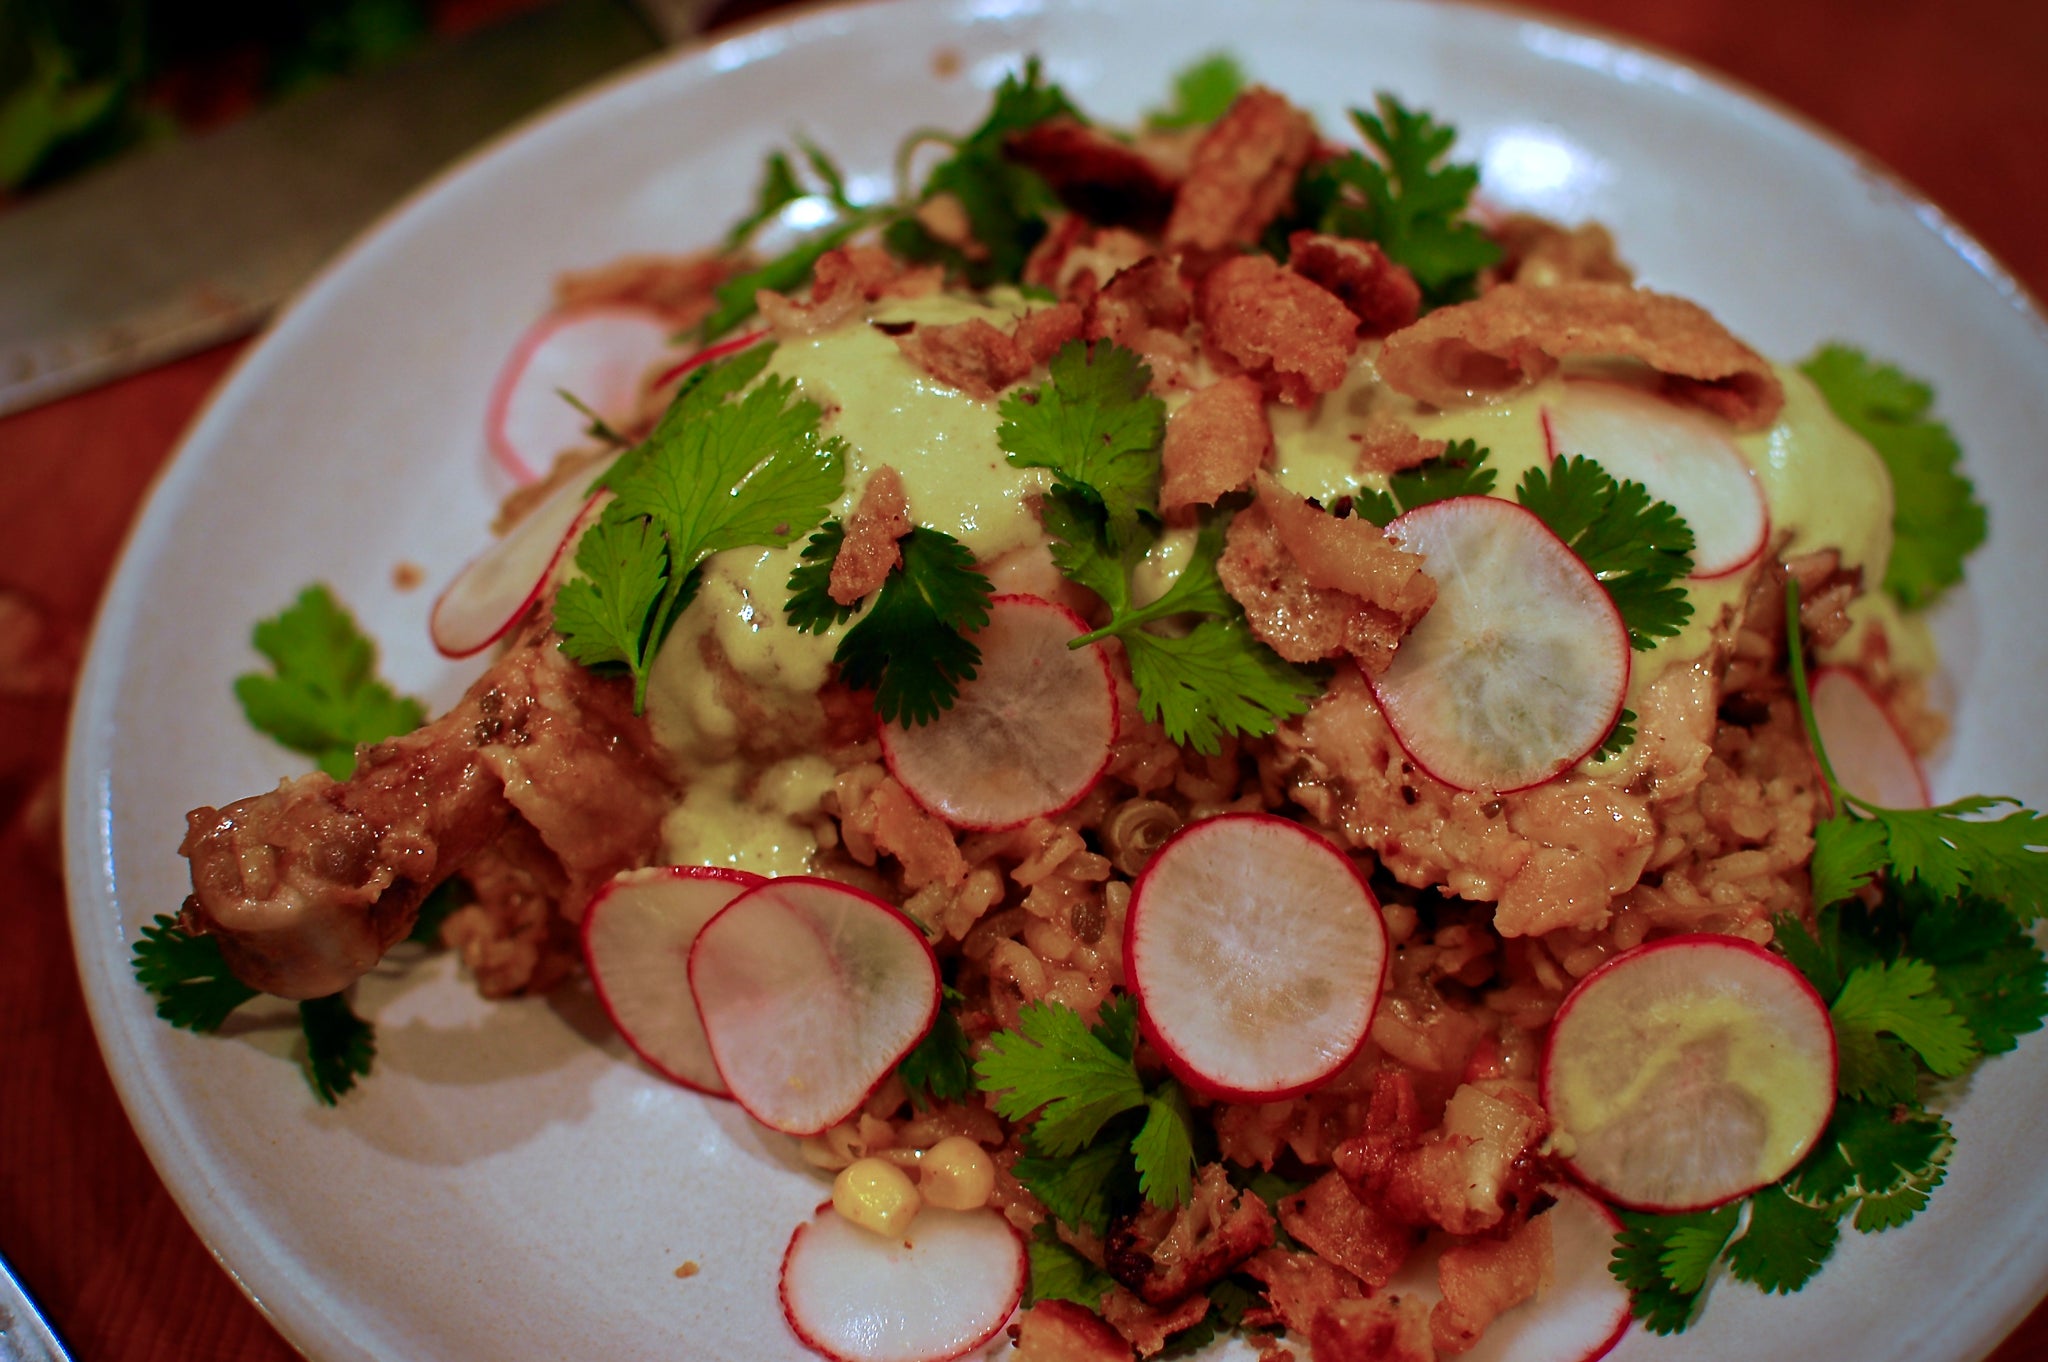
x=300 y=1307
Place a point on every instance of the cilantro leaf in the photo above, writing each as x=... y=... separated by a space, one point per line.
x=192 y=984
x=1785 y=1242
x=1408 y=198
x=1619 y=737
x=1460 y=471
x=1847 y=852
x=1060 y=1273
x=1095 y=423
x=937 y=1069
x=810 y=608
x=1216 y=679
x=778 y=189
x=722 y=470
x=322 y=696
x=1639 y=548
x=1007 y=205
x=1079 y=1188
x=1165 y=1149
x=1813 y=955
x=1872 y=1150
x=1054 y=1065
x=1202 y=93
x=1985 y=964
x=1937 y=520
x=1664 y=1262
x=340 y=1046
x=784 y=274
x=910 y=647
x=1116 y=1024
x=1899 y=999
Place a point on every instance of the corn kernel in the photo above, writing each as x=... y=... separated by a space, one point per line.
x=875 y=1195
x=958 y=1174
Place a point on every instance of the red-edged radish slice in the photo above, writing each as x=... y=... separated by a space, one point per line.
x=811 y=992
x=705 y=356
x=1256 y=953
x=1688 y=1072
x=940 y=1290
x=1519 y=669
x=637 y=934
x=1870 y=755
x=500 y=585
x=1681 y=454
x=1027 y=737
x=602 y=354
x=1578 y=1317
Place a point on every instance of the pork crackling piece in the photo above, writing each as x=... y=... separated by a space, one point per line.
x=306 y=886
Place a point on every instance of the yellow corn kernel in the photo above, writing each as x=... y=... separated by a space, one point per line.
x=875 y=1195
x=958 y=1174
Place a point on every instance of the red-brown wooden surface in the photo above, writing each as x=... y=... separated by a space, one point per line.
x=1952 y=94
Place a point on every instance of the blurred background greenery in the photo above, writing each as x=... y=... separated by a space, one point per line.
x=82 y=80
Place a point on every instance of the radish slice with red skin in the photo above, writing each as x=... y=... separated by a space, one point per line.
x=602 y=354
x=811 y=992
x=1871 y=757
x=705 y=356
x=941 y=1290
x=1518 y=671
x=1256 y=953
x=500 y=585
x=1027 y=737
x=1688 y=1072
x=637 y=934
x=1684 y=456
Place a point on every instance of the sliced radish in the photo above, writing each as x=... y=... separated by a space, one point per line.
x=637 y=934
x=1027 y=737
x=705 y=356
x=1256 y=953
x=1688 y=1072
x=1518 y=671
x=811 y=992
x=1870 y=755
x=1578 y=1317
x=940 y=1290
x=601 y=354
x=500 y=585
x=1681 y=454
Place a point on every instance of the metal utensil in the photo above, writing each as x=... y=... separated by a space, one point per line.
x=173 y=249
x=25 y=1336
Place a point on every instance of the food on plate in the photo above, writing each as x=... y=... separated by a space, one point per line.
x=1222 y=736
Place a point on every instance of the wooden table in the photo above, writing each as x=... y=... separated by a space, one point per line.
x=1952 y=94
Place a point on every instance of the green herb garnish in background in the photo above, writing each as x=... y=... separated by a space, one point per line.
x=721 y=470
x=1202 y=93
x=1939 y=971
x=1937 y=520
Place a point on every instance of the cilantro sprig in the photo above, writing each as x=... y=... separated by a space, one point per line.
x=1007 y=205
x=1096 y=424
x=1408 y=197
x=1925 y=972
x=322 y=696
x=722 y=469
x=939 y=1068
x=1638 y=547
x=1202 y=93
x=1460 y=471
x=781 y=186
x=1937 y=520
x=911 y=647
x=1099 y=1137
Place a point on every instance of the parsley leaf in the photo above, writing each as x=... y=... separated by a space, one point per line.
x=1785 y=1242
x=1639 y=547
x=192 y=984
x=910 y=647
x=1007 y=205
x=720 y=471
x=1164 y=1148
x=937 y=1069
x=322 y=697
x=1202 y=93
x=1095 y=423
x=1078 y=1189
x=1060 y=1273
x=1937 y=520
x=1898 y=999
x=1054 y=1065
x=340 y=1046
x=1460 y=471
x=1409 y=200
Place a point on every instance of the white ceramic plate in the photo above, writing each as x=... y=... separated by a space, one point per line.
x=510 y=1184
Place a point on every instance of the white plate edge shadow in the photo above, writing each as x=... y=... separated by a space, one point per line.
x=300 y=1308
